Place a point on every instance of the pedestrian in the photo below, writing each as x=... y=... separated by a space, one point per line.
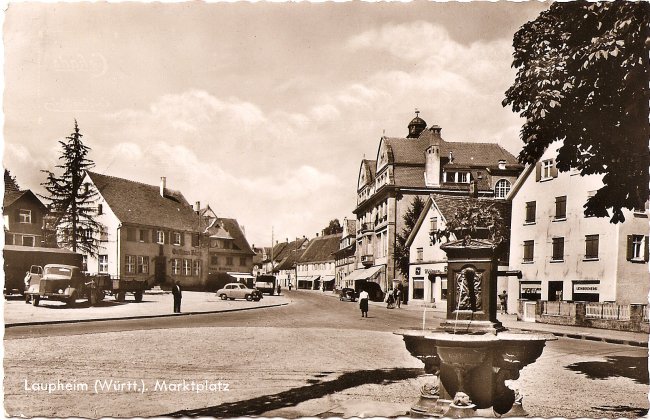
x=503 y=300
x=398 y=297
x=28 y=281
x=279 y=289
x=390 y=300
x=290 y=286
x=178 y=295
x=363 y=303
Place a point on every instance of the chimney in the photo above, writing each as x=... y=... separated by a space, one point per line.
x=197 y=206
x=163 y=185
x=432 y=166
x=317 y=234
x=451 y=157
x=502 y=164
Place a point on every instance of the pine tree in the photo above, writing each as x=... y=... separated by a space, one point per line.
x=10 y=182
x=71 y=203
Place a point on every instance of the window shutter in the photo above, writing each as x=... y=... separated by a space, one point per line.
x=153 y=236
x=182 y=238
x=167 y=235
x=629 y=247
x=554 y=170
x=645 y=250
x=538 y=171
x=17 y=216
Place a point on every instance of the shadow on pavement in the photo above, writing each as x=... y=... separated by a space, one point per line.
x=635 y=368
x=292 y=397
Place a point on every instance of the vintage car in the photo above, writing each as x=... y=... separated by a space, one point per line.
x=348 y=294
x=234 y=291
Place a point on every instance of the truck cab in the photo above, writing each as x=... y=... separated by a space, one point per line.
x=65 y=283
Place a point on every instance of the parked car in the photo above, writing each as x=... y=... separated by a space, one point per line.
x=348 y=294
x=234 y=291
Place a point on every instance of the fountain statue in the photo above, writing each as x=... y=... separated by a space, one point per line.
x=471 y=355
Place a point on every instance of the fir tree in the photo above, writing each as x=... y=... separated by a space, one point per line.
x=10 y=182
x=71 y=203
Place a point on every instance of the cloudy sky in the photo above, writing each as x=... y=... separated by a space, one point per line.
x=264 y=111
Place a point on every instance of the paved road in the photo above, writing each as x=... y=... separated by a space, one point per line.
x=315 y=357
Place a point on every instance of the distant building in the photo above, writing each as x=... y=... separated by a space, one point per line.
x=228 y=249
x=23 y=216
x=282 y=256
x=417 y=165
x=286 y=269
x=316 y=267
x=345 y=255
x=564 y=255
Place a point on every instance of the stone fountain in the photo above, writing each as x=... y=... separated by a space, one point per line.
x=471 y=355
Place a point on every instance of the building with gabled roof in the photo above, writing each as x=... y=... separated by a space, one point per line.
x=316 y=266
x=23 y=215
x=345 y=255
x=419 y=164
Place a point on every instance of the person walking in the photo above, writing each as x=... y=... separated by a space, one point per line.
x=503 y=300
x=398 y=298
x=363 y=303
x=279 y=289
x=178 y=295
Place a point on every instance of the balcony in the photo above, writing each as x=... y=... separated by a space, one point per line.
x=368 y=260
x=366 y=228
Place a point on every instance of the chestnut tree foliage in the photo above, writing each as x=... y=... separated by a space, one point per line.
x=71 y=204
x=583 y=79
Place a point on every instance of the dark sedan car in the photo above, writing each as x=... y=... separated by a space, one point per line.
x=348 y=294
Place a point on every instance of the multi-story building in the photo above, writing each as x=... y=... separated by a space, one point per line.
x=23 y=216
x=286 y=270
x=564 y=255
x=278 y=256
x=418 y=165
x=427 y=262
x=345 y=255
x=316 y=267
x=153 y=234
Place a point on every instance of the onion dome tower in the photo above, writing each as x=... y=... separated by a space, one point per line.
x=416 y=126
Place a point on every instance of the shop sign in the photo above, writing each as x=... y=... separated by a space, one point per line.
x=586 y=288
x=530 y=288
x=194 y=252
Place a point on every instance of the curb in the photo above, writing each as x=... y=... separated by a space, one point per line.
x=575 y=336
x=76 y=321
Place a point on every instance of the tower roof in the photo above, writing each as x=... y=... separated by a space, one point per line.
x=416 y=126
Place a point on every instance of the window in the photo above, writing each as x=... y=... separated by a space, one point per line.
x=143 y=265
x=103 y=263
x=28 y=240
x=100 y=209
x=434 y=224
x=187 y=267
x=195 y=239
x=176 y=266
x=529 y=249
x=531 y=208
x=591 y=246
x=24 y=216
x=103 y=234
x=84 y=262
x=197 y=267
x=463 y=177
x=418 y=288
x=160 y=237
x=637 y=248
x=558 y=249
x=547 y=169
x=177 y=238
x=560 y=207
x=130 y=264
x=143 y=235
x=214 y=260
x=443 y=289
x=502 y=188
x=420 y=252
x=242 y=261
x=228 y=260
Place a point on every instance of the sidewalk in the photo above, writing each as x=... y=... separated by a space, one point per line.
x=510 y=321
x=16 y=312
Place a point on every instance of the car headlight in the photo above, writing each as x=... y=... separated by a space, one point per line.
x=60 y=291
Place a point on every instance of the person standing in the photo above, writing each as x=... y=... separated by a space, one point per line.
x=178 y=295
x=279 y=289
x=398 y=297
x=503 y=300
x=363 y=303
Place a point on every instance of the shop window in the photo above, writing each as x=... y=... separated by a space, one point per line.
x=591 y=246
x=418 y=288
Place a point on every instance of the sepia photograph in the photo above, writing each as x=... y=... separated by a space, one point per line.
x=326 y=209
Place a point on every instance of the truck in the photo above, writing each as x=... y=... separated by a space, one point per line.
x=18 y=260
x=266 y=283
x=67 y=283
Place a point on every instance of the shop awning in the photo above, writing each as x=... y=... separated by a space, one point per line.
x=364 y=273
x=308 y=278
x=327 y=278
x=240 y=275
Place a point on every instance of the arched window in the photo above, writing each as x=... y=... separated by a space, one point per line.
x=502 y=188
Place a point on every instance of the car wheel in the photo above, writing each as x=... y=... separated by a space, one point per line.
x=223 y=296
x=138 y=296
x=231 y=298
x=35 y=300
x=72 y=300
x=248 y=297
